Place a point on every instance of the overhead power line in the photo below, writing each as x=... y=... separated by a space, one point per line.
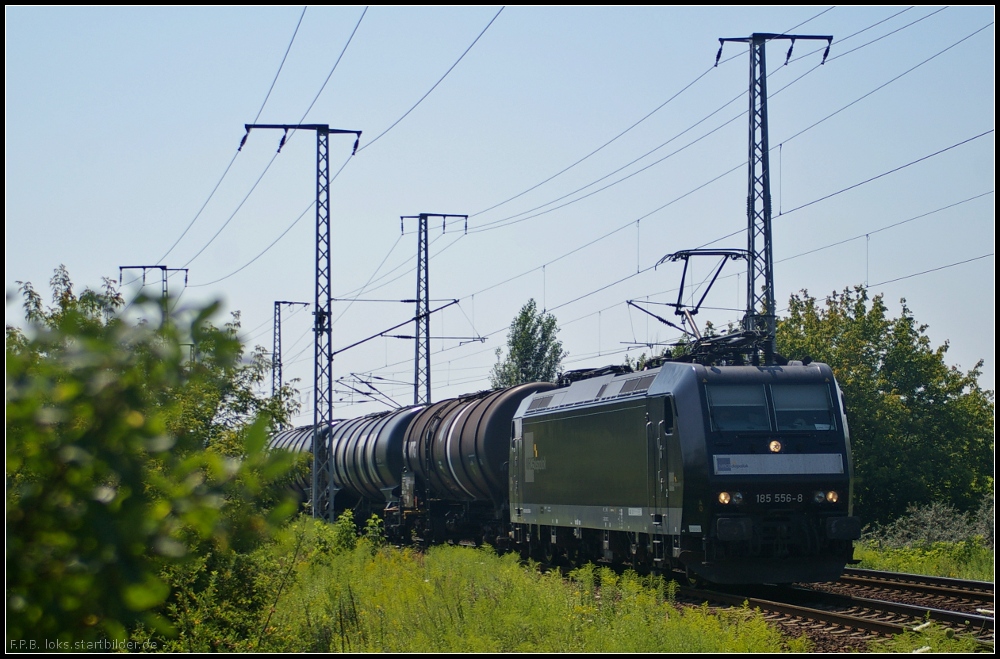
x=891 y=171
x=738 y=166
x=510 y=220
x=634 y=125
x=334 y=177
x=634 y=274
x=421 y=100
x=924 y=272
x=229 y=166
x=581 y=160
x=259 y=178
x=332 y=69
x=280 y=66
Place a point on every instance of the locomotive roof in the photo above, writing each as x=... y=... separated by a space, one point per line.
x=661 y=380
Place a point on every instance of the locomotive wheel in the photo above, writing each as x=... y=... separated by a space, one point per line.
x=692 y=580
x=550 y=553
x=537 y=551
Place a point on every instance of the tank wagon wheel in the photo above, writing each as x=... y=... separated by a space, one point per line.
x=536 y=551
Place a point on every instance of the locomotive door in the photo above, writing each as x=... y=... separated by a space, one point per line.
x=659 y=425
x=515 y=470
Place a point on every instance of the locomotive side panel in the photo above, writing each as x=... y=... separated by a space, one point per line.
x=586 y=467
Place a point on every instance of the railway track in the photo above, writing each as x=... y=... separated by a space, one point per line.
x=846 y=615
x=864 y=605
x=976 y=594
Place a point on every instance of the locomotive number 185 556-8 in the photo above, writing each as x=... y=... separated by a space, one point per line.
x=778 y=498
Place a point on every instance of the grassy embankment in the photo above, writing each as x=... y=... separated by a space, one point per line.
x=319 y=588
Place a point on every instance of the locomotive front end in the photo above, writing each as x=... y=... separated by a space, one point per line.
x=774 y=499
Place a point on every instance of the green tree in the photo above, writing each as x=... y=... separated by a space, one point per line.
x=123 y=457
x=921 y=431
x=533 y=352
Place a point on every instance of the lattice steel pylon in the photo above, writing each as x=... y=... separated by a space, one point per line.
x=760 y=317
x=323 y=486
x=164 y=275
x=276 y=375
x=422 y=320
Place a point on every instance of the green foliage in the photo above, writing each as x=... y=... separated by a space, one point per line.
x=218 y=599
x=124 y=458
x=375 y=532
x=644 y=361
x=533 y=352
x=921 y=431
x=984 y=521
x=922 y=526
x=935 y=540
x=345 y=533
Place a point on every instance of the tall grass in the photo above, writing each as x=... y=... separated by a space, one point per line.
x=457 y=599
x=322 y=588
x=967 y=559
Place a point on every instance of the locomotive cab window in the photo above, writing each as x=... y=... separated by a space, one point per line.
x=738 y=407
x=668 y=415
x=802 y=407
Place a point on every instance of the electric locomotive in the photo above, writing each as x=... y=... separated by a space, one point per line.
x=734 y=474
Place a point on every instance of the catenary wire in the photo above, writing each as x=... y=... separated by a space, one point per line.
x=334 y=177
x=580 y=198
x=627 y=130
x=631 y=275
x=421 y=100
x=229 y=166
x=630 y=223
x=282 y=235
x=508 y=221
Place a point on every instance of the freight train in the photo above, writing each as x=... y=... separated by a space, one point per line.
x=731 y=474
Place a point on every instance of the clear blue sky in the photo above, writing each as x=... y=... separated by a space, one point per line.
x=120 y=122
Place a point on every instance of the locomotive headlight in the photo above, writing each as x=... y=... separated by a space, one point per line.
x=832 y=496
x=724 y=497
x=737 y=497
x=819 y=497
x=775 y=446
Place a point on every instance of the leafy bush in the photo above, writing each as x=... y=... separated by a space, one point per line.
x=124 y=458
x=984 y=522
x=937 y=522
x=922 y=526
x=934 y=540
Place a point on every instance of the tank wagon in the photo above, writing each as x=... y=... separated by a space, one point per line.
x=734 y=474
x=435 y=473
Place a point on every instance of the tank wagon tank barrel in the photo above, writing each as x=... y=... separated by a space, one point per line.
x=459 y=447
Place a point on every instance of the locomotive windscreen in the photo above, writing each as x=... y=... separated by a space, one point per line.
x=796 y=407
x=803 y=407
x=738 y=407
